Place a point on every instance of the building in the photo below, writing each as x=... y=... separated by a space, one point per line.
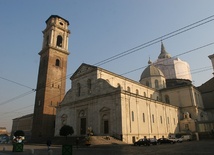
x=3 y=130
x=51 y=76
x=207 y=91
x=110 y=104
x=23 y=123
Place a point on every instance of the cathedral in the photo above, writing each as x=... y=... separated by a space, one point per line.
x=110 y=104
x=164 y=101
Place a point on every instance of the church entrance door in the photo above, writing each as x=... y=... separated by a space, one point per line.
x=83 y=126
x=106 y=128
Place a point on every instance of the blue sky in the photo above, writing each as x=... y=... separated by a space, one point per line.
x=99 y=29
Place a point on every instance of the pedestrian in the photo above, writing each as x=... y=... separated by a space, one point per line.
x=48 y=143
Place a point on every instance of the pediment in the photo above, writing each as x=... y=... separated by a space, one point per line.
x=104 y=109
x=82 y=70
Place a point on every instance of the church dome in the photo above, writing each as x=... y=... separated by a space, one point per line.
x=153 y=77
x=151 y=71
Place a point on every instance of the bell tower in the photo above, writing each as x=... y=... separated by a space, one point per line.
x=51 y=82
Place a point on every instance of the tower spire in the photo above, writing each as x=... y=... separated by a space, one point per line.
x=163 y=53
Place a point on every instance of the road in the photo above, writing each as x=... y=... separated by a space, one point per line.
x=204 y=147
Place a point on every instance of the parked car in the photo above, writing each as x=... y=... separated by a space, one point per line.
x=143 y=141
x=4 y=138
x=153 y=141
x=176 y=140
x=165 y=141
x=186 y=137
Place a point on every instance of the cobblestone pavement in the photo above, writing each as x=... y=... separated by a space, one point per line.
x=204 y=147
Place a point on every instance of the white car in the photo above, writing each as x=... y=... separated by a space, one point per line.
x=186 y=137
x=177 y=140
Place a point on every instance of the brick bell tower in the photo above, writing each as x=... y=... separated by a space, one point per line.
x=51 y=81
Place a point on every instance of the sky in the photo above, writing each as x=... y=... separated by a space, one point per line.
x=100 y=29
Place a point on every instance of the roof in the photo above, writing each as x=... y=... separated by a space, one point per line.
x=56 y=16
x=163 y=53
x=207 y=86
x=25 y=116
x=151 y=71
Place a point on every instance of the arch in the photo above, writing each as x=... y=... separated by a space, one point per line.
x=57 y=63
x=156 y=84
x=163 y=84
x=143 y=117
x=105 y=121
x=59 y=41
x=147 y=83
x=82 y=122
x=128 y=89
x=167 y=100
x=137 y=91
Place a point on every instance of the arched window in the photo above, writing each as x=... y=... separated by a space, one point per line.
x=147 y=83
x=143 y=117
x=59 y=41
x=157 y=98
x=78 y=89
x=128 y=89
x=167 y=99
x=156 y=84
x=133 y=116
x=144 y=94
x=137 y=91
x=163 y=84
x=57 y=63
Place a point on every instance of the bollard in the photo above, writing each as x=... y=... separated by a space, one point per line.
x=32 y=151
x=50 y=152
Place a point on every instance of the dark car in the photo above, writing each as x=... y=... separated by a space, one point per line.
x=165 y=141
x=4 y=138
x=144 y=142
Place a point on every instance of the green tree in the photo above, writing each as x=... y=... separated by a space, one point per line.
x=19 y=133
x=66 y=130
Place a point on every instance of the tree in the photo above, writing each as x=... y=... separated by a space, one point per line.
x=18 y=136
x=19 y=133
x=66 y=130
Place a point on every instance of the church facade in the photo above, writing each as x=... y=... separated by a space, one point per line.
x=113 y=105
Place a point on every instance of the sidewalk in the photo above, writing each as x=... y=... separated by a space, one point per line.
x=6 y=149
